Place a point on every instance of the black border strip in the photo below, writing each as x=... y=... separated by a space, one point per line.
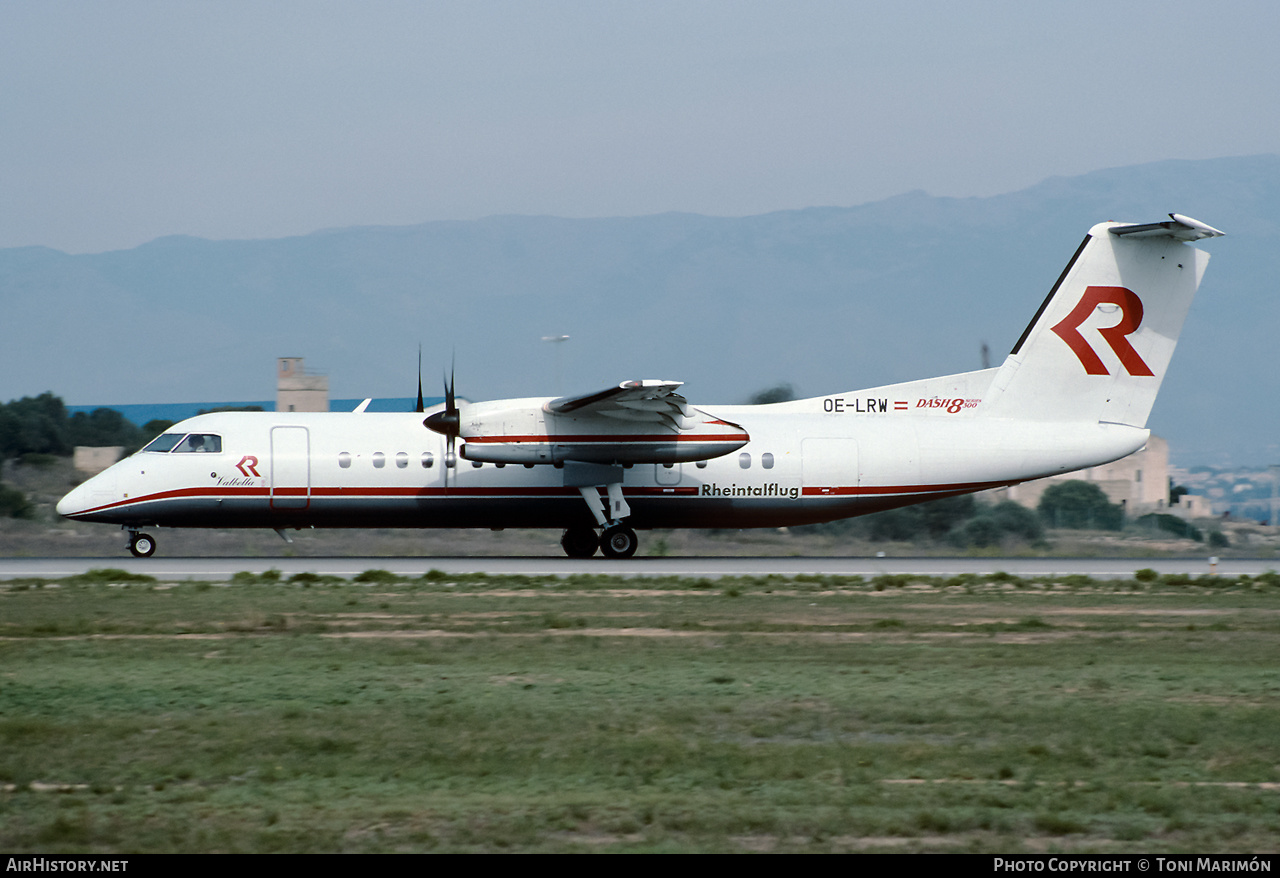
x=1049 y=298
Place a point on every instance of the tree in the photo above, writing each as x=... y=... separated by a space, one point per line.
x=1081 y=505
x=14 y=503
x=34 y=425
x=783 y=392
x=993 y=525
x=103 y=427
x=1172 y=524
x=932 y=520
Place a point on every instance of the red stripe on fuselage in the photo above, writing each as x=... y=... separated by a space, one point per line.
x=579 y=439
x=845 y=490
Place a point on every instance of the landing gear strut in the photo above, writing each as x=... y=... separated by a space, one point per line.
x=618 y=540
x=141 y=545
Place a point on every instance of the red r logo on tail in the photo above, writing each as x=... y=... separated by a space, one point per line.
x=1130 y=319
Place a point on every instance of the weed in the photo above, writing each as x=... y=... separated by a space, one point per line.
x=381 y=576
x=891 y=580
x=1058 y=824
x=109 y=576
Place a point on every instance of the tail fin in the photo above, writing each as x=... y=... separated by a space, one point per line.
x=1099 y=346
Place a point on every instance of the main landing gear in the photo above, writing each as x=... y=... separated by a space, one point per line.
x=579 y=542
x=617 y=541
x=141 y=545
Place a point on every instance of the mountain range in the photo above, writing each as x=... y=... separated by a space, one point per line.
x=828 y=299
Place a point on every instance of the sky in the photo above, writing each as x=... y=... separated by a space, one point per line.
x=126 y=121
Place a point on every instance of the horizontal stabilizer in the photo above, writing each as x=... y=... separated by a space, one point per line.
x=1183 y=228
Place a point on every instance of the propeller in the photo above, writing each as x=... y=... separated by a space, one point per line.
x=447 y=423
x=420 y=409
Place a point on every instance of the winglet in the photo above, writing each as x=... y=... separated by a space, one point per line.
x=364 y=405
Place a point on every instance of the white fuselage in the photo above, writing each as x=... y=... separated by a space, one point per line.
x=808 y=461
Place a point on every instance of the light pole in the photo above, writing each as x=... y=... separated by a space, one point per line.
x=558 y=341
x=1275 y=495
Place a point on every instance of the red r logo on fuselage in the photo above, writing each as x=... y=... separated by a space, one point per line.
x=248 y=466
x=1130 y=319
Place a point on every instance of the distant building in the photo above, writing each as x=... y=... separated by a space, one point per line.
x=1139 y=483
x=92 y=460
x=298 y=390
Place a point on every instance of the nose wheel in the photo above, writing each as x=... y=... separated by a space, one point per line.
x=141 y=545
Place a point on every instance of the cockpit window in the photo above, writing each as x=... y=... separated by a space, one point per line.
x=200 y=442
x=187 y=442
x=164 y=442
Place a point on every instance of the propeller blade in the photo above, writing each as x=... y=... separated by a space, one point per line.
x=449 y=403
x=447 y=423
x=420 y=409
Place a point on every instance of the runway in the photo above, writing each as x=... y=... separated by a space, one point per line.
x=220 y=569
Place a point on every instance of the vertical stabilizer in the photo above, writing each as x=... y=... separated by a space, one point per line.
x=1098 y=348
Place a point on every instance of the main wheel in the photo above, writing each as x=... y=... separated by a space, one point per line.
x=579 y=542
x=142 y=546
x=618 y=541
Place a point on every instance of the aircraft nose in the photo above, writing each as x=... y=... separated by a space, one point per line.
x=76 y=500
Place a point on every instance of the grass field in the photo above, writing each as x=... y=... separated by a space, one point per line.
x=596 y=714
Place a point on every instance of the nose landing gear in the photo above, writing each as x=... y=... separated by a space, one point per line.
x=141 y=545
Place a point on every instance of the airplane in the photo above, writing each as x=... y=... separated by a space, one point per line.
x=1075 y=392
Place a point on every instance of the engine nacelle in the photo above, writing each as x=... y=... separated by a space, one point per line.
x=531 y=435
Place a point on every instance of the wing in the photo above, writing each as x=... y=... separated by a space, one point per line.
x=634 y=422
x=647 y=401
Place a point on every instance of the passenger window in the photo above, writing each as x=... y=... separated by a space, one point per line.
x=428 y=460
x=744 y=460
x=344 y=460
x=766 y=460
x=402 y=460
x=200 y=443
x=379 y=460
